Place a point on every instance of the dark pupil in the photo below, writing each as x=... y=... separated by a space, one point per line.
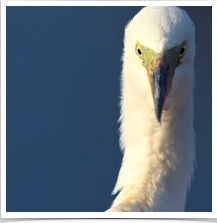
x=182 y=50
x=139 y=51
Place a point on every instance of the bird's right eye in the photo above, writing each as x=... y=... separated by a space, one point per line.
x=138 y=51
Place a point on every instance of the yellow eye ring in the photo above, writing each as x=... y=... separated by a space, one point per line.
x=183 y=51
x=138 y=51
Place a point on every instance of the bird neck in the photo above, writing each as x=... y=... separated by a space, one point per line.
x=158 y=158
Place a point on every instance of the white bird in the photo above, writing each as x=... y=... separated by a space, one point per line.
x=157 y=134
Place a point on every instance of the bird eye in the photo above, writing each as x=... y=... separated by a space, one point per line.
x=183 y=51
x=138 y=51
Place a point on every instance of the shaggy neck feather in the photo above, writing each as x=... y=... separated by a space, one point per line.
x=157 y=164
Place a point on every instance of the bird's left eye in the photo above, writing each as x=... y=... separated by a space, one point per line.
x=183 y=51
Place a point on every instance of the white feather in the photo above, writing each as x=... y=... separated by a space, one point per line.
x=158 y=159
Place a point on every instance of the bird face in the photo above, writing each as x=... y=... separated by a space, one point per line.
x=160 y=70
x=158 y=58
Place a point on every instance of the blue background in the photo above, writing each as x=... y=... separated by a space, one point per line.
x=63 y=68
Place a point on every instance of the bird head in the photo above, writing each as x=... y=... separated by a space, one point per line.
x=159 y=50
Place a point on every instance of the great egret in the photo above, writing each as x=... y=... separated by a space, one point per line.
x=157 y=134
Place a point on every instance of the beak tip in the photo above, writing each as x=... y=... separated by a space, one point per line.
x=158 y=114
x=159 y=120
